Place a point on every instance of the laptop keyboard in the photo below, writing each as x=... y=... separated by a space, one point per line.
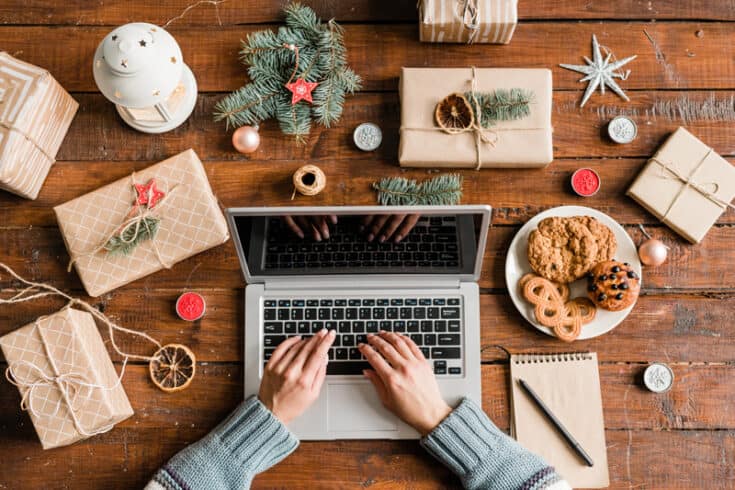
x=433 y=242
x=433 y=323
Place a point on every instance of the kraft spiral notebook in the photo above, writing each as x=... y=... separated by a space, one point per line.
x=569 y=385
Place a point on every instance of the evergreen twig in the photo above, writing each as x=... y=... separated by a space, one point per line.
x=501 y=105
x=132 y=236
x=322 y=59
x=443 y=189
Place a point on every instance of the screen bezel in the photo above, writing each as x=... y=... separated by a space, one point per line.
x=484 y=210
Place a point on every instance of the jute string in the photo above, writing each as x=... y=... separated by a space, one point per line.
x=137 y=217
x=320 y=181
x=69 y=384
x=688 y=181
x=482 y=135
x=470 y=16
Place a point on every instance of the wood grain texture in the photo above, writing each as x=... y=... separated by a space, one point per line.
x=97 y=133
x=165 y=423
x=378 y=51
x=81 y=12
x=683 y=439
x=39 y=254
x=669 y=328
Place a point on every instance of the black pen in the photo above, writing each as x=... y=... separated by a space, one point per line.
x=564 y=432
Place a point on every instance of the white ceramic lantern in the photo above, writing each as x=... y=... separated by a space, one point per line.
x=139 y=68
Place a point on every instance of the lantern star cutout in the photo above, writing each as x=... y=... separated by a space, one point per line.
x=600 y=72
x=148 y=194
x=301 y=90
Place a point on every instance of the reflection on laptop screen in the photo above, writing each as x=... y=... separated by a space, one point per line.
x=359 y=244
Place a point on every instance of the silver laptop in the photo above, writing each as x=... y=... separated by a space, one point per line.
x=423 y=285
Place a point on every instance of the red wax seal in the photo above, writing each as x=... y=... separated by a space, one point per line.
x=190 y=306
x=585 y=182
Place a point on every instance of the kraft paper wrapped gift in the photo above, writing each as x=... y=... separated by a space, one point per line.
x=686 y=185
x=65 y=377
x=35 y=114
x=523 y=143
x=467 y=21
x=190 y=222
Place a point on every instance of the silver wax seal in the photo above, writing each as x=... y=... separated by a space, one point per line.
x=622 y=130
x=658 y=377
x=368 y=136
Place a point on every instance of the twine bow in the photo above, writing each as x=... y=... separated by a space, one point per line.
x=69 y=385
x=688 y=181
x=481 y=134
x=470 y=16
x=130 y=228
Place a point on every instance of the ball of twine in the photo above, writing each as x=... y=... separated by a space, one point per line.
x=309 y=180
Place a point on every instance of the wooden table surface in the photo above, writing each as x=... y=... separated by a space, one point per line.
x=685 y=317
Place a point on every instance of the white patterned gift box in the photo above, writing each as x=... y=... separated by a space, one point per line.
x=467 y=21
x=35 y=114
x=190 y=222
x=65 y=377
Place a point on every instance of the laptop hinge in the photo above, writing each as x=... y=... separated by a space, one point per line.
x=362 y=283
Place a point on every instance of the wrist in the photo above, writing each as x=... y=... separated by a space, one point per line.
x=435 y=417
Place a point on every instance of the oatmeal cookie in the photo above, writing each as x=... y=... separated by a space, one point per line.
x=562 y=249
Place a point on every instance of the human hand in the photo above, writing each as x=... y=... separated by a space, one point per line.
x=315 y=226
x=294 y=375
x=384 y=227
x=404 y=381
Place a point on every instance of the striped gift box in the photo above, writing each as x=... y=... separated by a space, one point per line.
x=467 y=21
x=35 y=114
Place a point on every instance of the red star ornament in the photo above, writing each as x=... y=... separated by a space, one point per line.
x=148 y=193
x=301 y=90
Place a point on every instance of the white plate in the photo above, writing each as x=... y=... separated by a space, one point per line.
x=516 y=265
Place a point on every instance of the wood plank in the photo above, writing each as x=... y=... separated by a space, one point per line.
x=674 y=57
x=79 y=12
x=350 y=184
x=218 y=388
x=39 y=254
x=670 y=328
x=97 y=133
x=164 y=423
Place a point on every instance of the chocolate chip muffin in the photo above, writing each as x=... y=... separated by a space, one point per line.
x=613 y=285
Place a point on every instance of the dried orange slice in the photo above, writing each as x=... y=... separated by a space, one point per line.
x=454 y=113
x=172 y=367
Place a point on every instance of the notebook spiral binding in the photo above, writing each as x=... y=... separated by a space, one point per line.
x=533 y=357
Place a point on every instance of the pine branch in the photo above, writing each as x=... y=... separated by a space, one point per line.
x=321 y=58
x=133 y=236
x=501 y=105
x=443 y=189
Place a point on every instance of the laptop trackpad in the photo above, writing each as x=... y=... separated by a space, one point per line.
x=356 y=407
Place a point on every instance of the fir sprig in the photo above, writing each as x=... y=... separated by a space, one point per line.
x=132 y=236
x=322 y=58
x=443 y=189
x=501 y=105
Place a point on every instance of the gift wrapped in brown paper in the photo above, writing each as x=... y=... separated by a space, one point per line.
x=467 y=21
x=686 y=185
x=142 y=223
x=65 y=377
x=35 y=114
x=519 y=143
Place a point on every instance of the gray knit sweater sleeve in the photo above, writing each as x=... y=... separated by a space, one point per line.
x=484 y=457
x=249 y=441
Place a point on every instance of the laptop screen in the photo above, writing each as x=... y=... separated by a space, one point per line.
x=336 y=244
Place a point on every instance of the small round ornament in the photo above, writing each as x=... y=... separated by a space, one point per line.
x=190 y=306
x=622 y=130
x=658 y=377
x=367 y=136
x=246 y=139
x=653 y=252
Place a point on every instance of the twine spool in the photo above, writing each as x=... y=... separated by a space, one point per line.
x=309 y=180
